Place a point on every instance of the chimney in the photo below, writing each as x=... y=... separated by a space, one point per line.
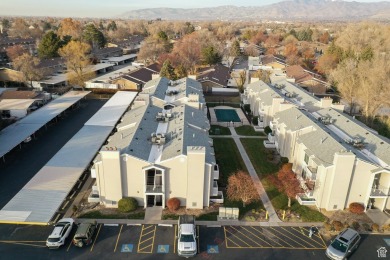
x=322 y=140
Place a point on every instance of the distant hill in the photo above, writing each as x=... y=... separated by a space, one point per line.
x=286 y=10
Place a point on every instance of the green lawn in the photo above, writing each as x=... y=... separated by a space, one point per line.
x=258 y=156
x=228 y=158
x=248 y=130
x=212 y=216
x=171 y=216
x=95 y=214
x=280 y=201
x=222 y=130
x=256 y=205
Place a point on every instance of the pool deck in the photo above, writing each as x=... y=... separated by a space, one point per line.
x=214 y=121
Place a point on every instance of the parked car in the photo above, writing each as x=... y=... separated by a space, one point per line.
x=60 y=232
x=344 y=244
x=84 y=234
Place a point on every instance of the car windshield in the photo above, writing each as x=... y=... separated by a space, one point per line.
x=54 y=239
x=186 y=238
x=80 y=237
x=339 y=246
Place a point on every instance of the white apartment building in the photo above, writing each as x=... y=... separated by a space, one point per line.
x=160 y=150
x=337 y=159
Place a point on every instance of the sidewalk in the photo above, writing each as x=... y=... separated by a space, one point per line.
x=137 y=222
x=239 y=136
x=273 y=217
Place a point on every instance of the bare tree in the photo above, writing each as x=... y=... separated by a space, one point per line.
x=240 y=80
x=241 y=187
x=78 y=63
x=28 y=66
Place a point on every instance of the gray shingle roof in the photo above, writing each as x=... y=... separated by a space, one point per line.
x=377 y=145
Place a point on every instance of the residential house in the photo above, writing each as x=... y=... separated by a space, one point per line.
x=269 y=62
x=160 y=150
x=309 y=80
x=216 y=76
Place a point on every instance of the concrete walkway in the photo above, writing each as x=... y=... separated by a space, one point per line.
x=153 y=214
x=136 y=222
x=273 y=217
x=240 y=136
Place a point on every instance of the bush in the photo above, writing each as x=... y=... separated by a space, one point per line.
x=173 y=204
x=366 y=227
x=375 y=227
x=356 y=208
x=328 y=226
x=284 y=160
x=127 y=204
x=355 y=225
x=255 y=120
x=337 y=225
x=267 y=130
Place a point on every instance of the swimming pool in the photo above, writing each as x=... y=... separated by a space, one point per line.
x=227 y=115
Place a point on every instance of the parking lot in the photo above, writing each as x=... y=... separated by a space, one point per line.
x=144 y=241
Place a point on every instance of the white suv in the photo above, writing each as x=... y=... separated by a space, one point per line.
x=60 y=232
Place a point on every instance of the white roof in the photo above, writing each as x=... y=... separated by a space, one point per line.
x=110 y=113
x=16 y=133
x=121 y=58
x=41 y=197
x=16 y=104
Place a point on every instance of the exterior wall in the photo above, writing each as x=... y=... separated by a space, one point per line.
x=339 y=181
x=323 y=185
x=109 y=178
x=361 y=183
x=126 y=84
x=196 y=176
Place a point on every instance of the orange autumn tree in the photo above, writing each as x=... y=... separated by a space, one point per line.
x=241 y=187
x=289 y=183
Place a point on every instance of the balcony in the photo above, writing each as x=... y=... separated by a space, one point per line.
x=307 y=185
x=379 y=191
x=269 y=145
x=304 y=200
x=216 y=172
x=271 y=138
x=94 y=195
x=313 y=171
x=214 y=190
x=154 y=189
x=272 y=125
x=218 y=198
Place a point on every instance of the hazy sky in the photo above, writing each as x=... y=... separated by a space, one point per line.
x=109 y=8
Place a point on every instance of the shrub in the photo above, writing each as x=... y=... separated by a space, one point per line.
x=337 y=225
x=127 y=204
x=173 y=204
x=328 y=226
x=356 y=208
x=375 y=227
x=247 y=108
x=267 y=130
x=355 y=225
x=284 y=160
x=366 y=227
x=255 y=120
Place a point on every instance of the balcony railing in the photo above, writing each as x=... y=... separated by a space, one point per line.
x=154 y=189
x=379 y=191
x=216 y=172
x=304 y=200
x=271 y=138
x=313 y=170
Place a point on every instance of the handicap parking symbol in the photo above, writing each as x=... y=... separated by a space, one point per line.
x=212 y=249
x=163 y=249
x=127 y=248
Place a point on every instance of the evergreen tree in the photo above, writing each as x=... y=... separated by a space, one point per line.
x=112 y=26
x=93 y=36
x=210 y=55
x=49 y=45
x=167 y=70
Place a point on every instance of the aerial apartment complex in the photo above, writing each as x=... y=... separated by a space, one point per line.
x=337 y=159
x=160 y=149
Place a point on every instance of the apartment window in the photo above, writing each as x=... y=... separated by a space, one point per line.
x=194 y=204
x=334 y=206
x=306 y=159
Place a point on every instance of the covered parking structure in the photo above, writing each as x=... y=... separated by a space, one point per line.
x=38 y=201
x=15 y=134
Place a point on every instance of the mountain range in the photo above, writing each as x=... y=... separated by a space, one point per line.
x=285 y=10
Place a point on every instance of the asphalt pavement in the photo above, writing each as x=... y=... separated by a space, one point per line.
x=158 y=242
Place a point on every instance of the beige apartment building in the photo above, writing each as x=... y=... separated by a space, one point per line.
x=337 y=159
x=160 y=150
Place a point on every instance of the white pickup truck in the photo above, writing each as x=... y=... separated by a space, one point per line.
x=186 y=237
